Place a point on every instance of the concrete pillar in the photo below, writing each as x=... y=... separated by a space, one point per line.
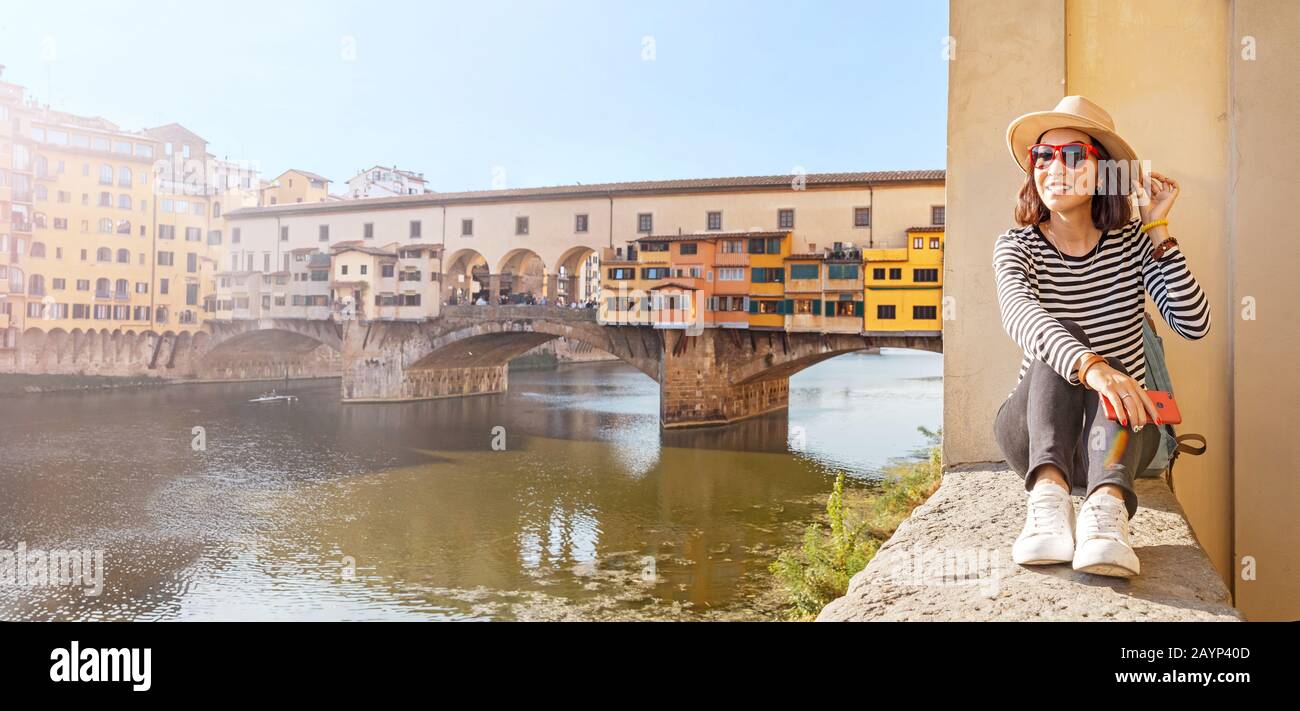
x=494 y=288
x=552 y=287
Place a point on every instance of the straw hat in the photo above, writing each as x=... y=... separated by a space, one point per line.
x=1075 y=112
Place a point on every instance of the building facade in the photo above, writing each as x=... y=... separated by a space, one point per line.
x=379 y=181
x=564 y=243
x=295 y=186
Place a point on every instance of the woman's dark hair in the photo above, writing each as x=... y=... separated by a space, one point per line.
x=1111 y=209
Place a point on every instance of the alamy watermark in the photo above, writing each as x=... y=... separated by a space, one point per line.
x=34 y=567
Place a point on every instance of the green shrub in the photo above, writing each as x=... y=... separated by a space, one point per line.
x=832 y=553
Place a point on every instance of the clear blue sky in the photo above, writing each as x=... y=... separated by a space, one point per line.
x=552 y=92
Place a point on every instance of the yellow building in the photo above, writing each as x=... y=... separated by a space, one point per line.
x=767 y=253
x=295 y=186
x=92 y=256
x=187 y=213
x=103 y=229
x=629 y=282
x=903 y=288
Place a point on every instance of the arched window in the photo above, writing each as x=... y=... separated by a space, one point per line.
x=101 y=287
x=38 y=249
x=105 y=174
x=124 y=227
x=106 y=226
x=36 y=285
x=124 y=176
x=216 y=209
x=103 y=254
x=39 y=220
x=124 y=201
x=123 y=288
x=123 y=256
x=161 y=314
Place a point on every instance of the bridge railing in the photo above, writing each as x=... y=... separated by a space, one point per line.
x=519 y=311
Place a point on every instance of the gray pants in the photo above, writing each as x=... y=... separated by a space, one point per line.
x=1049 y=421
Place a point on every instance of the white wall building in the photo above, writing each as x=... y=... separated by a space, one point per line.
x=378 y=181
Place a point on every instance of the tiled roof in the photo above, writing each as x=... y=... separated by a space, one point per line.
x=926 y=228
x=678 y=283
x=646 y=187
x=710 y=235
x=308 y=174
x=355 y=246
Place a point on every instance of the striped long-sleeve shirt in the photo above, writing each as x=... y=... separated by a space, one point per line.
x=1105 y=295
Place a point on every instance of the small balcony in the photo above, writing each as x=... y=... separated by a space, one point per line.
x=730 y=259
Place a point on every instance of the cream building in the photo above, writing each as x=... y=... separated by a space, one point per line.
x=542 y=240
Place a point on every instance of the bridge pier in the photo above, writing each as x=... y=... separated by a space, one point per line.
x=697 y=386
x=700 y=400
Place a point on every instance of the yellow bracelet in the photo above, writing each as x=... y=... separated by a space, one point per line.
x=1149 y=225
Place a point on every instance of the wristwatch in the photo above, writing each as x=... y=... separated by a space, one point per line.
x=1163 y=247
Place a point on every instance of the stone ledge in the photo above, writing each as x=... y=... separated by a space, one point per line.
x=951 y=561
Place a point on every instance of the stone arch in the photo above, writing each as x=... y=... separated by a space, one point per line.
x=522 y=274
x=57 y=350
x=572 y=281
x=465 y=276
x=774 y=355
x=78 y=345
x=492 y=342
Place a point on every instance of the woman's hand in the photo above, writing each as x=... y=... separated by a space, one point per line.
x=1156 y=204
x=1129 y=401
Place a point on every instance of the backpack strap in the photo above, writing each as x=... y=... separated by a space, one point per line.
x=1182 y=447
x=1193 y=450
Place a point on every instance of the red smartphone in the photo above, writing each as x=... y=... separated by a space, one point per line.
x=1166 y=409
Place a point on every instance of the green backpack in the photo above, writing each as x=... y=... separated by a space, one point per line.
x=1171 y=443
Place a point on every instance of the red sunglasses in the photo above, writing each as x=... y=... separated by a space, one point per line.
x=1074 y=154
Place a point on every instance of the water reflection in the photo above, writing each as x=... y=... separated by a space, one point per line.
x=319 y=511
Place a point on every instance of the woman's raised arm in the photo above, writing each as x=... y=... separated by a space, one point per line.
x=1175 y=291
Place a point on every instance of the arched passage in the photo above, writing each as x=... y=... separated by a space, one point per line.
x=465 y=278
x=577 y=273
x=267 y=353
x=491 y=343
x=522 y=277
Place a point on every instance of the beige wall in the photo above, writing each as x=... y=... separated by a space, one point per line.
x=1264 y=250
x=1106 y=39
x=1009 y=60
x=1241 y=497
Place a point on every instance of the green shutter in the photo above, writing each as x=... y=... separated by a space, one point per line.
x=787 y=306
x=753 y=306
x=817 y=307
x=858 y=308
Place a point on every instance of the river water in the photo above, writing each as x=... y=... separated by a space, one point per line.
x=560 y=499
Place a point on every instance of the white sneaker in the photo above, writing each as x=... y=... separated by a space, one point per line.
x=1103 y=545
x=1048 y=536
